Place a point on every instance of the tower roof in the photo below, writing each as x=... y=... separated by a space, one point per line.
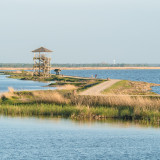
x=42 y=49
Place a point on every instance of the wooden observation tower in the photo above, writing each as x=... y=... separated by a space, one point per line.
x=42 y=62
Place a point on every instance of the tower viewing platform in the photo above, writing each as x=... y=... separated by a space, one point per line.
x=42 y=62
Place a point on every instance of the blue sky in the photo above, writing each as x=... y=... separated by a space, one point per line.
x=81 y=31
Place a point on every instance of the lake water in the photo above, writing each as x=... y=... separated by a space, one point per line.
x=20 y=85
x=152 y=76
x=33 y=138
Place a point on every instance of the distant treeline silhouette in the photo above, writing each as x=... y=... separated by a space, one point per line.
x=23 y=65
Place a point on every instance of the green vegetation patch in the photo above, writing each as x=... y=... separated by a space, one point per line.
x=53 y=110
x=126 y=87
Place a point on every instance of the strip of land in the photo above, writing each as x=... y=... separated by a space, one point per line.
x=82 y=101
x=90 y=86
x=115 y=87
x=85 y=68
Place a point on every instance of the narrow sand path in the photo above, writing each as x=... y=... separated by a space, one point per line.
x=96 y=90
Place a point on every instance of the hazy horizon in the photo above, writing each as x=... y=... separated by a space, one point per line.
x=81 y=31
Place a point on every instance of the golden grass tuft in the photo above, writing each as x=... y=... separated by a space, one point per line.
x=51 y=97
x=67 y=87
x=8 y=94
x=11 y=90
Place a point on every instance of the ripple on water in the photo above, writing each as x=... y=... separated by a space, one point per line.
x=151 y=76
x=31 y=138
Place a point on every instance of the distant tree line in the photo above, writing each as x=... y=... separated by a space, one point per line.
x=15 y=65
x=23 y=65
x=99 y=65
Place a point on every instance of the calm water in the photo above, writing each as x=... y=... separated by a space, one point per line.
x=32 y=138
x=152 y=76
x=21 y=84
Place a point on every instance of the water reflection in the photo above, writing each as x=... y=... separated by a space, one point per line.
x=114 y=123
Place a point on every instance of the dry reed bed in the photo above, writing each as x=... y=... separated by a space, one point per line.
x=145 y=103
x=52 y=103
x=52 y=97
x=141 y=102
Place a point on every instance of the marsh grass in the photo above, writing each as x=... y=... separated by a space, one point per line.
x=69 y=104
x=125 y=107
x=66 y=111
x=67 y=87
x=52 y=97
x=144 y=102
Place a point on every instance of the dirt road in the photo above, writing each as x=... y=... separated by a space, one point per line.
x=96 y=90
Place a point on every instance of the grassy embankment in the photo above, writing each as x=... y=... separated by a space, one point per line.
x=66 y=103
x=126 y=87
x=59 y=81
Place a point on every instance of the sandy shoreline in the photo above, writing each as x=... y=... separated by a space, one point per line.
x=86 y=68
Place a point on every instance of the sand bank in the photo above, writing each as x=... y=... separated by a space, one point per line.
x=86 y=68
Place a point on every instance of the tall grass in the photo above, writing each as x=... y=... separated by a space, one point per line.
x=137 y=108
x=140 y=102
x=52 y=103
x=57 y=110
x=49 y=97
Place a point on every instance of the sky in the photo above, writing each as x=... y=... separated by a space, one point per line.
x=81 y=31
